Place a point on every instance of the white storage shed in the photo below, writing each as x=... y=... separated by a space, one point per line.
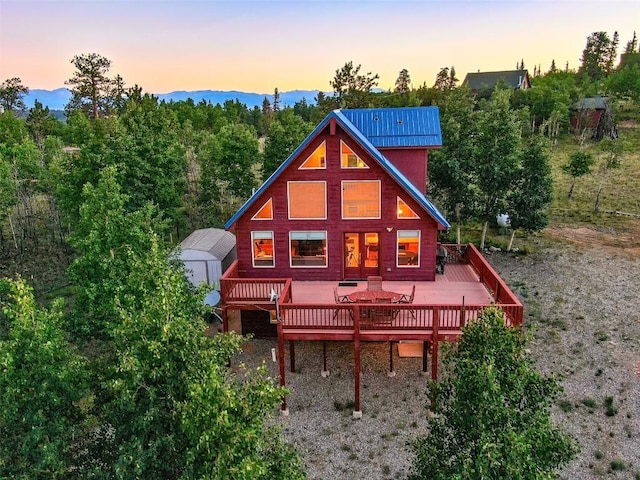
x=207 y=253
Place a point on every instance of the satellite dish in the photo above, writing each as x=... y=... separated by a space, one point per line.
x=503 y=220
x=212 y=298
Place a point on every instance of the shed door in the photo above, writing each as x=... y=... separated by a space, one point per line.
x=361 y=258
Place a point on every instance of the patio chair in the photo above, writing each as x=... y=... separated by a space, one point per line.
x=340 y=299
x=374 y=283
x=409 y=299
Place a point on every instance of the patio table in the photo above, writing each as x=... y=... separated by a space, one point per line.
x=374 y=296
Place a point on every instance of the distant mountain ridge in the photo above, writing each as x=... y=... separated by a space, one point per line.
x=58 y=98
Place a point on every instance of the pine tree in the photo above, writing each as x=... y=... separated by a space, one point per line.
x=403 y=81
x=90 y=85
x=631 y=44
x=276 y=100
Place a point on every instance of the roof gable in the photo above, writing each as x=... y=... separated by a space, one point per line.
x=591 y=103
x=339 y=117
x=481 y=80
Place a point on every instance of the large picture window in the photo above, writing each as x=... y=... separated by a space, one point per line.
x=408 y=248
x=262 y=244
x=307 y=200
x=361 y=199
x=308 y=249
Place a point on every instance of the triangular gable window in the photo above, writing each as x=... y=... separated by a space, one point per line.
x=349 y=159
x=317 y=159
x=404 y=210
x=265 y=212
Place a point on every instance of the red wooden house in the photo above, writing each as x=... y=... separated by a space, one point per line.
x=347 y=204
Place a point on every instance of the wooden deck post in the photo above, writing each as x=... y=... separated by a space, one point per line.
x=284 y=409
x=392 y=372
x=325 y=372
x=357 y=413
x=225 y=319
x=292 y=356
x=425 y=355
x=434 y=354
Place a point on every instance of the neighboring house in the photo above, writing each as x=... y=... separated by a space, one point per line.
x=486 y=81
x=593 y=116
x=348 y=203
x=206 y=254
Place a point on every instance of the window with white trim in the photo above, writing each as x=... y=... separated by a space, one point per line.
x=403 y=210
x=360 y=199
x=308 y=249
x=307 y=200
x=265 y=212
x=317 y=160
x=349 y=158
x=408 y=248
x=263 y=251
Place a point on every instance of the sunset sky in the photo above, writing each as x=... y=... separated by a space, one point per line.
x=257 y=46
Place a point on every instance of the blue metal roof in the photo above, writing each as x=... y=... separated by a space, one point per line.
x=398 y=127
x=359 y=136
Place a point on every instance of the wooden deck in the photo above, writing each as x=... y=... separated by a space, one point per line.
x=459 y=281
x=307 y=310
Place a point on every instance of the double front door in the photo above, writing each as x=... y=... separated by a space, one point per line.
x=361 y=255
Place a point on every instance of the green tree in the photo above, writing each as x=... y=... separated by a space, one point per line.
x=599 y=56
x=403 y=82
x=151 y=160
x=352 y=89
x=446 y=79
x=238 y=157
x=12 y=94
x=625 y=83
x=491 y=411
x=44 y=395
x=7 y=191
x=176 y=409
x=90 y=86
x=283 y=137
x=304 y=110
x=532 y=190
x=451 y=178
x=41 y=123
x=229 y=162
x=497 y=155
x=578 y=165
x=106 y=237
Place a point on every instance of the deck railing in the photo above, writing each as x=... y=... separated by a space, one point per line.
x=234 y=289
x=406 y=317
x=495 y=284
